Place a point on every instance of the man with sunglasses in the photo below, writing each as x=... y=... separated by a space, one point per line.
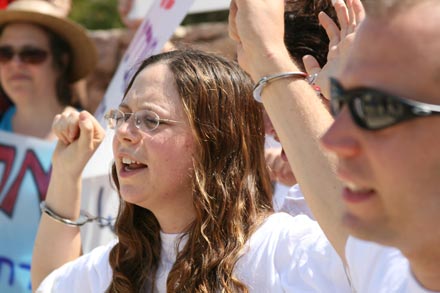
x=386 y=105
x=388 y=159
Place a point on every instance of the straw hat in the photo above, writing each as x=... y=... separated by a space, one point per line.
x=47 y=15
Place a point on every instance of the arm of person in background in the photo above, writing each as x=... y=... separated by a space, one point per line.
x=124 y=8
x=299 y=117
x=63 y=5
x=79 y=135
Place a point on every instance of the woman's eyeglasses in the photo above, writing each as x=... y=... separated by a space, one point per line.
x=373 y=109
x=144 y=120
x=28 y=55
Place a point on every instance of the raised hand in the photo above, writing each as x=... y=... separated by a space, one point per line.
x=350 y=14
x=79 y=135
x=258 y=28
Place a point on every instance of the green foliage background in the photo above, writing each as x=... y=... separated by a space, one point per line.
x=103 y=14
x=96 y=14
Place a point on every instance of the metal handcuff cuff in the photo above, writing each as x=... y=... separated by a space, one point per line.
x=258 y=88
x=83 y=218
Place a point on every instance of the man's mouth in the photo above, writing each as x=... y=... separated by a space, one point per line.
x=353 y=193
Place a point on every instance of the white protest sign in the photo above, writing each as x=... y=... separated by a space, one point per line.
x=140 y=7
x=25 y=167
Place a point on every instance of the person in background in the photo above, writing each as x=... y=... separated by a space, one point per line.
x=41 y=54
x=132 y=22
x=386 y=107
x=63 y=6
x=195 y=212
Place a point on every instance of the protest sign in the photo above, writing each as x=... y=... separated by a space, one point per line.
x=25 y=166
x=140 y=7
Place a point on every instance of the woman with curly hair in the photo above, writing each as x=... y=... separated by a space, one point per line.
x=195 y=212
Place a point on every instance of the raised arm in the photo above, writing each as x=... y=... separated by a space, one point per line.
x=298 y=115
x=79 y=135
x=124 y=8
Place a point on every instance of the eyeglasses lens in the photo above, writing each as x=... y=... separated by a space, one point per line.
x=6 y=54
x=26 y=55
x=147 y=120
x=144 y=119
x=112 y=118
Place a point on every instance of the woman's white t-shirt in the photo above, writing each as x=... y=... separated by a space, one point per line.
x=285 y=254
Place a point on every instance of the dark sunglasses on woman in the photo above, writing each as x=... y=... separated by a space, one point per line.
x=373 y=109
x=28 y=55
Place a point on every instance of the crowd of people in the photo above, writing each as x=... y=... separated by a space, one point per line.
x=348 y=88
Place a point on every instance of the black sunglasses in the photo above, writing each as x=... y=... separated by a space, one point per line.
x=29 y=55
x=373 y=109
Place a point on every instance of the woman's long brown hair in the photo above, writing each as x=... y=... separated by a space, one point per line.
x=231 y=186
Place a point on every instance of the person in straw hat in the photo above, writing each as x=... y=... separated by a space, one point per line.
x=42 y=53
